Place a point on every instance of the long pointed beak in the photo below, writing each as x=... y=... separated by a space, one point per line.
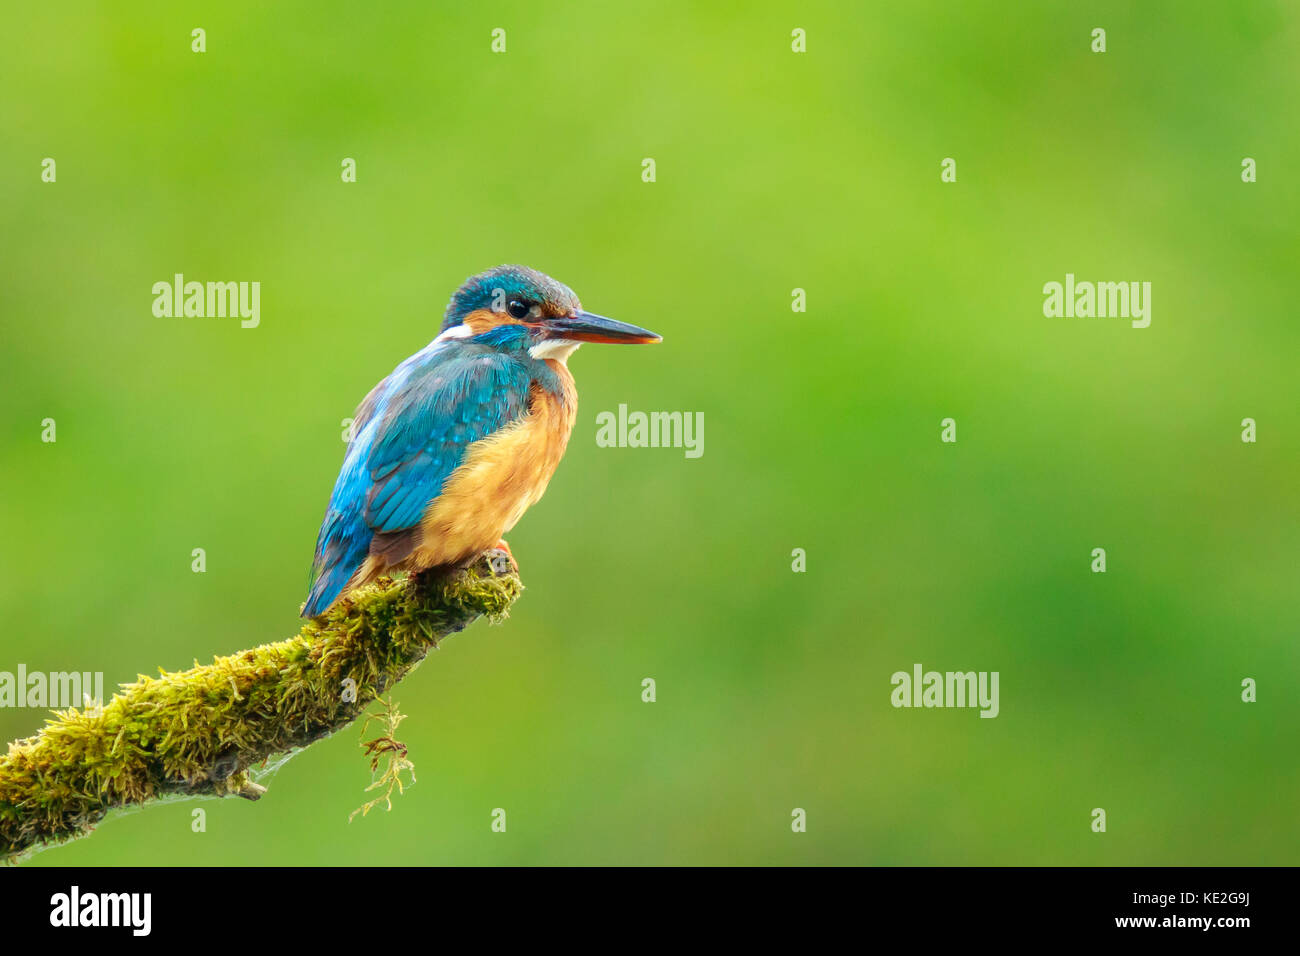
x=588 y=327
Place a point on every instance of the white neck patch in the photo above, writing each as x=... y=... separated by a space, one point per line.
x=558 y=349
x=461 y=331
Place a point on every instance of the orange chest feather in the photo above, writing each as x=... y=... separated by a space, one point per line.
x=501 y=476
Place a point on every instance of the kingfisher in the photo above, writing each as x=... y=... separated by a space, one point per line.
x=452 y=448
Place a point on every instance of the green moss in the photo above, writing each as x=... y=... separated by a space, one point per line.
x=201 y=731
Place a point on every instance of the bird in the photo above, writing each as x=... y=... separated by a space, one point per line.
x=450 y=450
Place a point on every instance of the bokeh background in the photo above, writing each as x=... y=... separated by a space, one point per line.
x=775 y=170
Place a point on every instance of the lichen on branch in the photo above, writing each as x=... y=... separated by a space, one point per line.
x=206 y=730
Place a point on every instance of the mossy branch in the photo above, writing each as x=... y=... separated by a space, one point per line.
x=206 y=730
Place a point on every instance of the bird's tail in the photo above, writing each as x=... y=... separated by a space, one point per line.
x=325 y=590
x=340 y=552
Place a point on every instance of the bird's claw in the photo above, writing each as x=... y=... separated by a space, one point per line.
x=501 y=560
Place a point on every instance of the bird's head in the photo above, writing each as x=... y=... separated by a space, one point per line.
x=516 y=307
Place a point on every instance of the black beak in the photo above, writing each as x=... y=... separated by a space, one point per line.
x=588 y=327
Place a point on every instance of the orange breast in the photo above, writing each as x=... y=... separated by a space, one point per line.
x=501 y=476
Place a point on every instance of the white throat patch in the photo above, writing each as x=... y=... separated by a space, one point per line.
x=558 y=349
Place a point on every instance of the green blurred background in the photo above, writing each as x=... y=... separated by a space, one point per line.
x=775 y=171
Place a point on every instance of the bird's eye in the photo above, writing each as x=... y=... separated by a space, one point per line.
x=517 y=309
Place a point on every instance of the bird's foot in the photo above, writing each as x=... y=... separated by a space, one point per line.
x=501 y=559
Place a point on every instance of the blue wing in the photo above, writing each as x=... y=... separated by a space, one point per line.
x=410 y=434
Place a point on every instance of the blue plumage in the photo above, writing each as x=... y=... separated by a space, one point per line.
x=410 y=434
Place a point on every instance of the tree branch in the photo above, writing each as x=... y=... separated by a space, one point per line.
x=206 y=730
